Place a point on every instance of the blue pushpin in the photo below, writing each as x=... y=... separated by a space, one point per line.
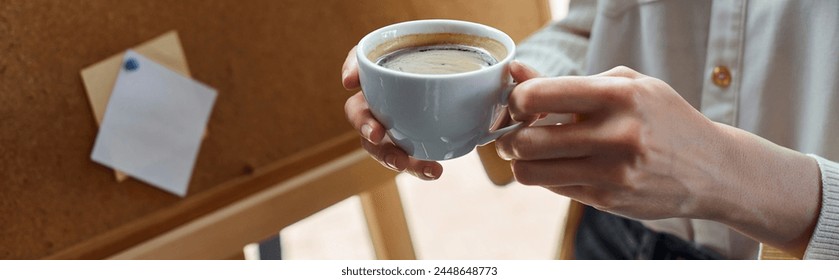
x=131 y=64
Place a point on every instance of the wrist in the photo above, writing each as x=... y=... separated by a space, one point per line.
x=722 y=197
x=766 y=191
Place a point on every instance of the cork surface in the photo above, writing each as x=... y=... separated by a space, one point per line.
x=275 y=64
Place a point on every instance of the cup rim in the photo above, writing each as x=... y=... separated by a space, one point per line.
x=361 y=55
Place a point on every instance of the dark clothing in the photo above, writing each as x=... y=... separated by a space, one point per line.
x=603 y=236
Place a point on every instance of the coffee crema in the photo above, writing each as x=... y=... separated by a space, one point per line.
x=438 y=53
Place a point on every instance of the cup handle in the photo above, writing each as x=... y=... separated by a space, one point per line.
x=492 y=135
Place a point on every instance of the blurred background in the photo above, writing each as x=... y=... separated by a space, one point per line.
x=278 y=155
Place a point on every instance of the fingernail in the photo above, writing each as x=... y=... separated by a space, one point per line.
x=428 y=172
x=390 y=160
x=366 y=130
x=501 y=152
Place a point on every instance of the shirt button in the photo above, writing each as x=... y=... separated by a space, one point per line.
x=721 y=76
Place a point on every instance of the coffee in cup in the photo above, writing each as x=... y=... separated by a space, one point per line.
x=438 y=53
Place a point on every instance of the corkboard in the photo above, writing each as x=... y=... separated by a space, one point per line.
x=276 y=65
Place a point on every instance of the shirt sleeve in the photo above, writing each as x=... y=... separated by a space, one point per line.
x=560 y=47
x=825 y=241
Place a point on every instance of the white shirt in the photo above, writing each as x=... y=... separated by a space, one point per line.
x=768 y=67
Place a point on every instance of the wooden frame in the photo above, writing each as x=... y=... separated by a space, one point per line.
x=224 y=232
x=771 y=253
x=565 y=250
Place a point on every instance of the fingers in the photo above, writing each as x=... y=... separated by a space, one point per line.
x=395 y=159
x=560 y=95
x=426 y=170
x=360 y=117
x=556 y=172
x=521 y=72
x=547 y=142
x=349 y=72
x=615 y=88
x=583 y=194
x=387 y=154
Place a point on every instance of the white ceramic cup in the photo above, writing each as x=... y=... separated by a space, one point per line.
x=437 y=116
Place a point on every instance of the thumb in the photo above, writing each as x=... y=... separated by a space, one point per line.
x=521 y=72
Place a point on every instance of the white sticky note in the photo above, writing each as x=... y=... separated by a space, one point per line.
x=153 y=124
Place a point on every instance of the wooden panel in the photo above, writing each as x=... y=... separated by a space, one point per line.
x=771 y=253
x=565 y=250
x=498 y=170
x=386 y=222
x=275 y=64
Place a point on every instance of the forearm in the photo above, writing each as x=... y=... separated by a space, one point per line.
x=766 y=191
